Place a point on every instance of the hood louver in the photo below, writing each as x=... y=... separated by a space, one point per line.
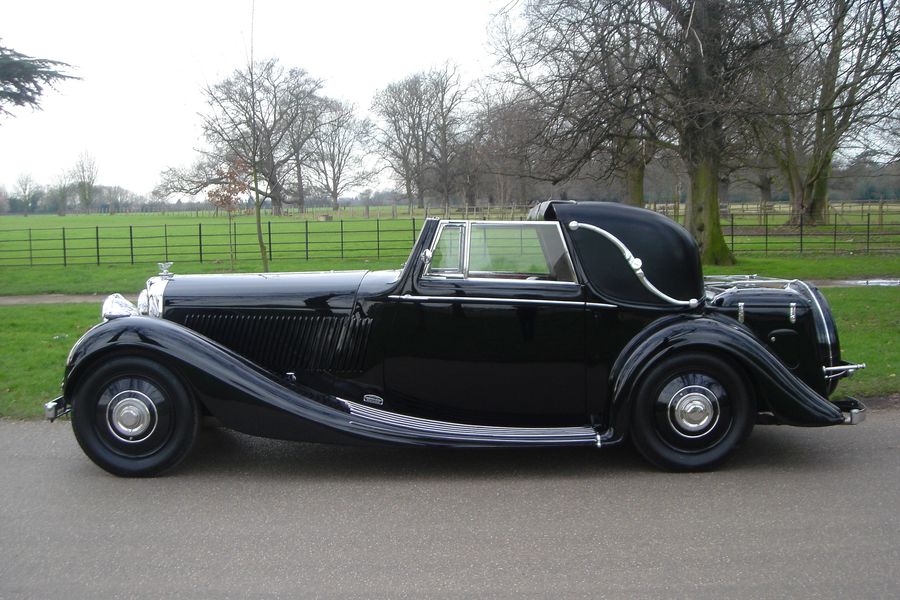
x=289 y=343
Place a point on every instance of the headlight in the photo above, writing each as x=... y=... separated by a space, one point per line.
x=143 y=303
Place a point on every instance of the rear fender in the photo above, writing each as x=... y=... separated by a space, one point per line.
x=790 y=399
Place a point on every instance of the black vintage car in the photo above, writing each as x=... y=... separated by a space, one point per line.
x=544 y=332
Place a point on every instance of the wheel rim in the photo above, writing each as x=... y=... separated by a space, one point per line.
x=133 y=416
x=693 y=412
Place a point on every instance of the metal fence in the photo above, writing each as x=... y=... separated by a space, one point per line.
x=287 y=239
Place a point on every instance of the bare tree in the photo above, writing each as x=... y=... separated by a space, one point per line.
x=446 y=97
x=84 y=175
x=338 y=163
x=402 y=135
x=26 y=189
x=583 y=64
x=833 y=84
x=675 y=73
x=253 y=116
x=301 y=134
x=60 y=192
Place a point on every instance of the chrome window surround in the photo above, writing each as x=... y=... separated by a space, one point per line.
x=466 y=240
x=463 y=250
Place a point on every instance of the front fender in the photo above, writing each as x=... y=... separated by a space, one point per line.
x=790 y=399
x=242 y=395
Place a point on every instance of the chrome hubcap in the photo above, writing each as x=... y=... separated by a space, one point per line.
x=131 y=416
x=693 y=411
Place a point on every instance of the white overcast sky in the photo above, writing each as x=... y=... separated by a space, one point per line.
x=143 y=65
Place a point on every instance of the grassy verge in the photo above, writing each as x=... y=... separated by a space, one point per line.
x=814 y=267
x=36 y=340
x=33 y=350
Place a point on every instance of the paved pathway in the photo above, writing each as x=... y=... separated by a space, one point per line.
x=798 y=513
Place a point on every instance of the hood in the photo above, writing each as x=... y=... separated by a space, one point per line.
x=325 y=293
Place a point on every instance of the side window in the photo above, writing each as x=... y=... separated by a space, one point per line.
x=530 y=251
x=448 y=251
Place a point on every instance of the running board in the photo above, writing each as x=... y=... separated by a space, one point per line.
x=429 y=431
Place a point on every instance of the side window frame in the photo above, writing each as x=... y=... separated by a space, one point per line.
x=462 y=272
x=465 y=247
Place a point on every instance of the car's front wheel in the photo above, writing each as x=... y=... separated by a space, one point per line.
x=133 y=417
x=690 y=411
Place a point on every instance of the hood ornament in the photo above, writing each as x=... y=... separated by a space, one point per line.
x=164 y=269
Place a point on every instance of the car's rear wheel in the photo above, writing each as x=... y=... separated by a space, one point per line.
x=133 y=417
x=690 y=411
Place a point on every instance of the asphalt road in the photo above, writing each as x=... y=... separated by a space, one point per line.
x=797 y=513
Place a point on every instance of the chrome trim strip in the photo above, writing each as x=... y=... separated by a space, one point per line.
x=375 y=418
x=792 y=313
x=821 y=313
x=635 y=264
x=482 y=300
x=570 y=284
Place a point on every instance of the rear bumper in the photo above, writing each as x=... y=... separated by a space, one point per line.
x=853 y=410
x=56 y=408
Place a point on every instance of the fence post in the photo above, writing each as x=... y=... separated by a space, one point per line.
x=97 y=242
x=342 y=239
x=200 y=240
x=732 y=232
x=306 y=237
x=166 y=239
x=834 y=242
x=868 y=230
x=378 y=238
x=414 y=230
x=131 y=241
x=766 y=232
x=65 y=260
x=801 y=233
x=270 y=239
x=30 y=250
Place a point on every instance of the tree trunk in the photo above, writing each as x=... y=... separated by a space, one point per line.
x=764 y=184
x=724 y=185
x=634 y=183
x=259 y=234
x=701 y=217
x=301 y=191
x=817 y=208
x=334 y=201
x=276 y=195
x=702 y=136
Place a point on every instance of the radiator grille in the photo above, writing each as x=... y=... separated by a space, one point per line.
x=285 y=343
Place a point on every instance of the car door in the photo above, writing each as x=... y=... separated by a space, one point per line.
x=493 y=329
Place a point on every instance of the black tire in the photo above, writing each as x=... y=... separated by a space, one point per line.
x=690 y=412
x=133 y=417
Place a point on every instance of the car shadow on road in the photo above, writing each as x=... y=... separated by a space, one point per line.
x=224 y=452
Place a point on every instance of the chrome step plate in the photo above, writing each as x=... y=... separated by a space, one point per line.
x=445 y=432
